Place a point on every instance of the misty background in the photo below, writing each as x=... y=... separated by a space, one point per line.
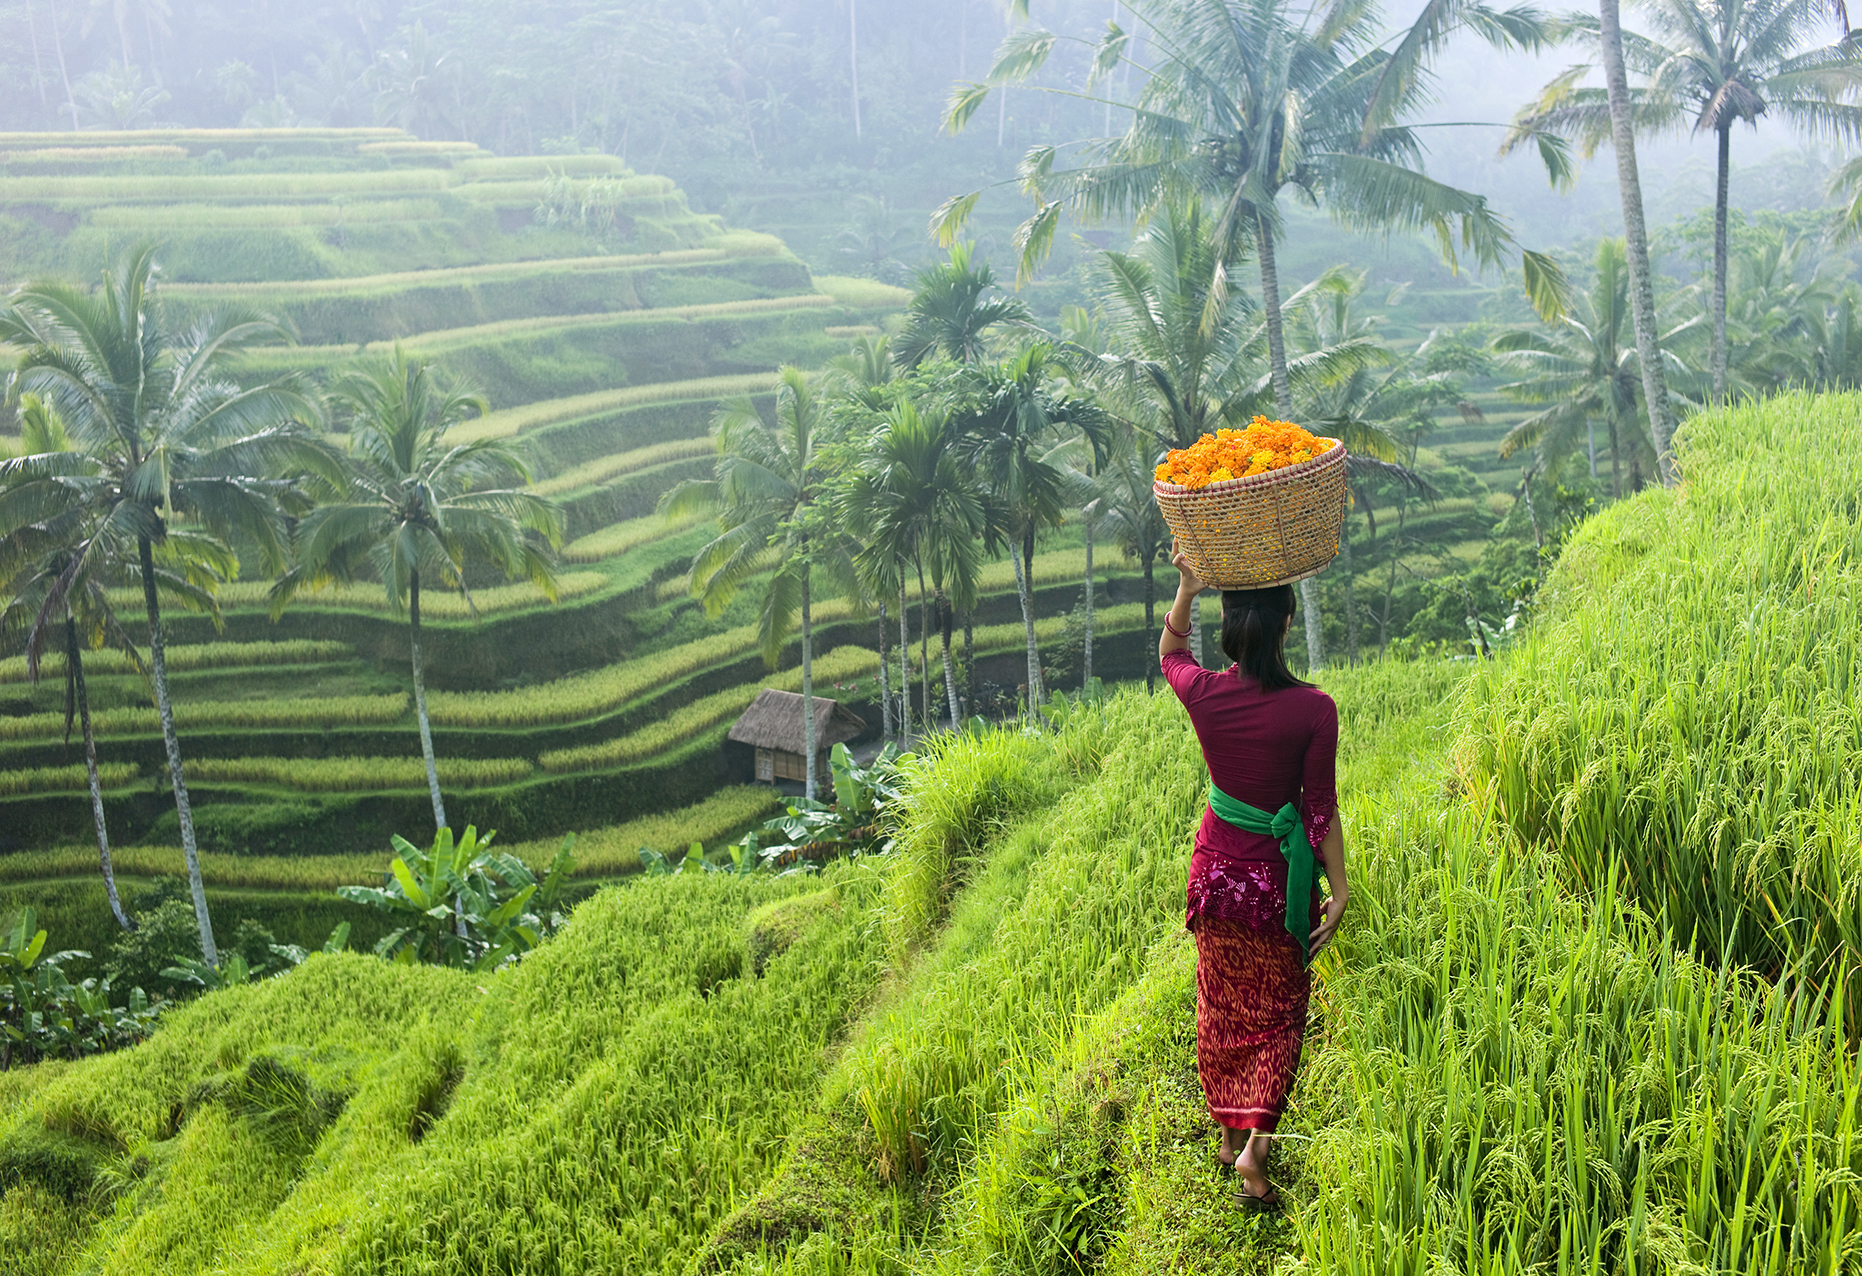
x=781 y=114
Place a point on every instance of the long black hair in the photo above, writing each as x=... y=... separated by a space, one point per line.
x=1254 y=631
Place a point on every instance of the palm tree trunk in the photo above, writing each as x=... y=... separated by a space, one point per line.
x=1719 y=263
x=924 y=647
x=38 y=69
x=1283 y=404
x=1150 y=619
x=420 y=702
x=1270 y=310
x=950 y=671
x=853 y=59
x=74 y=656
x=1196 y=631
x=426 y=734
x=969 y=662
x=1351 y=599
x=1086 y=658
x=808 y=694
x=64 y=73
x=1026 y=596
x=905 y=676
x=885 y=688
x=1636 y=235
x=158 y=673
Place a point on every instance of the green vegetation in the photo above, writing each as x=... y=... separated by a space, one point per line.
x=327 y=712
x=1013 y=997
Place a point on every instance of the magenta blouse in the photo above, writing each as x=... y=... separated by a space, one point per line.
x=1267 y=748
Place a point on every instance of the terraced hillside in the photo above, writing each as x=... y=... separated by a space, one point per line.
x=604 y=343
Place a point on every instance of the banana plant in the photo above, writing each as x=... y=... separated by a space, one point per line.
x=463 y=903
x=810 y=832
x=43 y=1013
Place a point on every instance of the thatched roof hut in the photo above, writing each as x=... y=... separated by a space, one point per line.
x=772 y=725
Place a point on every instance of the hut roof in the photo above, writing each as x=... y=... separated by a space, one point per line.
x=774 y=721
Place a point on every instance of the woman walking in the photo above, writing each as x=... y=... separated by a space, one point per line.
x=1271 y=743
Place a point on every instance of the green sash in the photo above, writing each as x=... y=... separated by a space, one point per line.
x=1285 y=825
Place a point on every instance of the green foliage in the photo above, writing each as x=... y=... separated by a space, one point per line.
x=463 y=904
x=43 y=1013
x=867 y=802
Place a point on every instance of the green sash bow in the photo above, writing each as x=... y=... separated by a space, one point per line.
x=1284 y=825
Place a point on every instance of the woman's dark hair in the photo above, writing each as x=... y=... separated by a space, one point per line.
x=1254 y=630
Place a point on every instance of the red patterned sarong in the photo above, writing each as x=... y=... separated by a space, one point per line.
x=1251 y=992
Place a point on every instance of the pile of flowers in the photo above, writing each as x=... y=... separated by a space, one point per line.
x=1231 y=454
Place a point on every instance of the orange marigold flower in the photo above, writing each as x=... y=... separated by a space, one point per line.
x=1229 y=453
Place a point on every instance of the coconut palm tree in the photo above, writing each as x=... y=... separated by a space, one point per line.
x=914 y=499
x=61 y=544
x=1708 y=66
x=1011 y=415
x=1245 y=102
x=184 y=456
x=1125 y=512
x=412 y=508
x=950 y=311
x=1584 y=373
x=1635 y=231
x=1186 y=358
x=1358 y=402
x=766 y=490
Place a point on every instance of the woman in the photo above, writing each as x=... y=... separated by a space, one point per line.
x=1271 y=742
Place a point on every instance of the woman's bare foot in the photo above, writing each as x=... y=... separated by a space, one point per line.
x=1251 y=1167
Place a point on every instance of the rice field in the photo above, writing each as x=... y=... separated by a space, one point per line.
x=434 y=605
x=54 y=778
x=356 y=775
x=360 y=286
x=620 y=463
x=606 y=851
x=692 y=719
x=602 y=690
x=998 y=1017
x=1683 y=722
x=322 y=711
x=210 y=655
x=617 y=538
x=168 y=218
x=507 y=422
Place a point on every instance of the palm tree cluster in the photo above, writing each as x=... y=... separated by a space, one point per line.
x=147 y=466
x=916 y=459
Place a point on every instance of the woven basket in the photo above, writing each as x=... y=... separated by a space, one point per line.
x=1271 y=529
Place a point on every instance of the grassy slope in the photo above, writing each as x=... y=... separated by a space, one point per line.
x=1498 y=1071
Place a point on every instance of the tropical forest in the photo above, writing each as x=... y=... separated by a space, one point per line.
x=611 y=660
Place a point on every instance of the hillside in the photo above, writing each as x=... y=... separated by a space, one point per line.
x=604 y=320
x=975 y=1052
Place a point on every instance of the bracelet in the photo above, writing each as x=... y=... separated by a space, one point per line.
x=1180 y=633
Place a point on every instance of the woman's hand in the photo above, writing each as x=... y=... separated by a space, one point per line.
x=1191 y=584
x=1328 y=925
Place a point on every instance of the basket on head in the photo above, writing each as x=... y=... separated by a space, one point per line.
x=1271 y=529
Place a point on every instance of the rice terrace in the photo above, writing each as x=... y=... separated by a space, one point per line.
x=1177 y=636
